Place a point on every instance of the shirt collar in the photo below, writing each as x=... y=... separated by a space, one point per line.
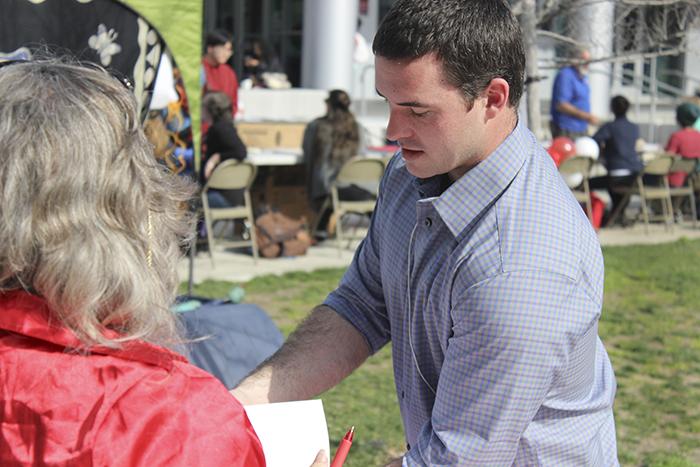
x=28 y=315
x=463 y=202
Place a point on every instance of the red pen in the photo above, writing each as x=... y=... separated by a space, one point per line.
x=343 y=449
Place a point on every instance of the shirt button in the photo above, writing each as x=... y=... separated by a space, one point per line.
x=428 y=222
x=403 y=395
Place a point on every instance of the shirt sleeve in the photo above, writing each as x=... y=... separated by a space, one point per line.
x=603 y=134
x=674 y=144
x=177 y=418
x=223 y=138
x=563 y=90
x=513 y=336
x=360 y=298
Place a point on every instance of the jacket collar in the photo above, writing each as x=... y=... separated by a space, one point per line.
x=28 y=315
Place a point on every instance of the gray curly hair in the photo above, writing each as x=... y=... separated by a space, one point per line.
x=88 y=220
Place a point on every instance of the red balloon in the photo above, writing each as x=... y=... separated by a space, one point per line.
x=564 y=146
x=556 y=157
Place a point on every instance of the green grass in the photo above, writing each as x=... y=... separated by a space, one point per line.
x=650 y=326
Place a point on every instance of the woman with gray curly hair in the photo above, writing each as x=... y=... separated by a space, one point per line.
x=90 y=226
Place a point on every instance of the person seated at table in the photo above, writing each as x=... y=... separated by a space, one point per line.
x=91 y=226
x=258 y=60
x=223 y=143
x=686 y=141
x=617 y=140
x=329 y=142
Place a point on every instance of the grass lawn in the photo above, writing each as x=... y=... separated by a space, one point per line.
x=650 y=326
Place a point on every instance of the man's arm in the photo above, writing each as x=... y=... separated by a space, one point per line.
x=603 y=135
x=673 y=144
x=212 y=162
x=562 y=95
x=570 y=109
x=327 y=347
x=320 y=353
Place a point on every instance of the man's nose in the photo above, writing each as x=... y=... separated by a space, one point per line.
x=396 y=128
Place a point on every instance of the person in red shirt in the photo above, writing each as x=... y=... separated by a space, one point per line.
x=91 y=226
x=686 y=141
x=217 y=75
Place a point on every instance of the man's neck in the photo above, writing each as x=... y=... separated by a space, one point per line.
x=501 y=127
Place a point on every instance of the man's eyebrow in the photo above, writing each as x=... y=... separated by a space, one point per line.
x=407 y=103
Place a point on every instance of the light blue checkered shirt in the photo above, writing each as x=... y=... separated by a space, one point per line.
x=490 y=293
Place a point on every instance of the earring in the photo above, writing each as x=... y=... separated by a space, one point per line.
x=149 y=252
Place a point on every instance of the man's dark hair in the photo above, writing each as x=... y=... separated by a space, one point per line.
x=619 y=106
x=217 y=37
x=476 y=40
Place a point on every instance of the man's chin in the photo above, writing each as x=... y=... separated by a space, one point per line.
x=420 y=170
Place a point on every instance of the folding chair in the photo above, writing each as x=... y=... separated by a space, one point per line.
x=686 y=166
x=658 y=167
x=231 y=175
x=361 y=171
x=579 y=165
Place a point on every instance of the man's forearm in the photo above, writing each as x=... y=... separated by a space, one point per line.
x=570 y=109
x=323 y=350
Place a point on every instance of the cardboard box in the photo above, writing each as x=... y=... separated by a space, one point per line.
x=271 y=134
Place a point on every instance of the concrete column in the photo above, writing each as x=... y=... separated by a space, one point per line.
x=692 y=61
x=327 y=44
x=594 y=24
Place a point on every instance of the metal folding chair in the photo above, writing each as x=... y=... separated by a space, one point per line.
x=363 y=172
x=231 y=175
x=659 y=168
x=686 y=166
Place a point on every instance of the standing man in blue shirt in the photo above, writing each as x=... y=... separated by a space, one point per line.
x=479 y=266
x=571 y=100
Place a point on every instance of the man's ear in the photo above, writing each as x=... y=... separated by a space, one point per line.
x=496 y=93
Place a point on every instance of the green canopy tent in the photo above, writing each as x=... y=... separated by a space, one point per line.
x=116 y=36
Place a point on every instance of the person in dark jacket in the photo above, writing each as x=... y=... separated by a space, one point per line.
x=617 y=140
x=223 y=143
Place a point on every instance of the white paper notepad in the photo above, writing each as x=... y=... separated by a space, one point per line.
x=291 y=433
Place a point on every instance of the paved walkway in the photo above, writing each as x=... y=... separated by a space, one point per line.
x=239 y=267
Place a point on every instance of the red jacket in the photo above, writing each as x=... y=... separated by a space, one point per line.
x=686 y=143
x=140 y=405
x=221 y=78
